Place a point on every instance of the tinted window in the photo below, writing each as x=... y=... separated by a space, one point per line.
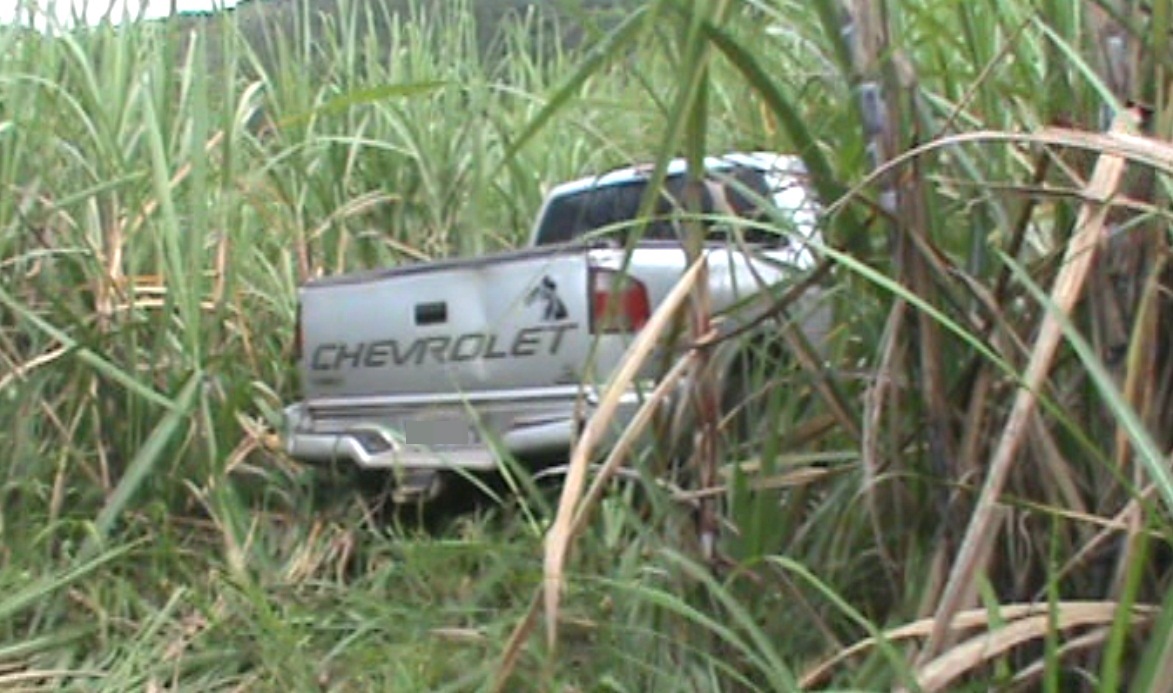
x=737 y=190
x=572 y=216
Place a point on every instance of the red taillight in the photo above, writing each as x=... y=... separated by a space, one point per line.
x=619 y=303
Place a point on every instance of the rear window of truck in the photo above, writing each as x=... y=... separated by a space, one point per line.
x=609 y=210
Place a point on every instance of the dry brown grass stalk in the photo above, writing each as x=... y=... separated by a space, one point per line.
x=39 y=679
x=630 y=436
x=938 y=674
x=561 y=534
x=786 y=480
x=111 y=283
x=1135 y=148
x=973 y=557
x=1027 y=677
x=1077 y=613
x=516 y=643
x=879 y=394
x=21 y=370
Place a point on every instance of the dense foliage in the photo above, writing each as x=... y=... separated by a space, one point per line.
x=166 y=186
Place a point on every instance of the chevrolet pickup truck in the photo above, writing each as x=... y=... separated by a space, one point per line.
x=451 y=365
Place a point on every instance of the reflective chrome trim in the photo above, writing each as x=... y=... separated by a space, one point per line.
x=371 y=445
x=559 y=393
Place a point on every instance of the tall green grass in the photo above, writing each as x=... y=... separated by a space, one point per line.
x=166 y=186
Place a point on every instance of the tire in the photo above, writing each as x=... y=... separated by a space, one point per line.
x=749 y=386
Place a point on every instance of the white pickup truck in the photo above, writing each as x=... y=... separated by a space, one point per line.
x=452 y=365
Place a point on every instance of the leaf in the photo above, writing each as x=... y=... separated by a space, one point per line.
x=973 y=555
x=40 y=589
x=877 y=637
x=599 y=56
x=358 y=97
x=822 y=177
x=145 y=460
x=940 y=673
x=1155 y=672
x=965 y=620
x=86 y=355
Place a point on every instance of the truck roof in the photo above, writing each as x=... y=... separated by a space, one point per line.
x=764 y=161
x=597 y=201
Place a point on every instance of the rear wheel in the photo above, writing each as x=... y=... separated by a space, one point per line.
x=752 y=397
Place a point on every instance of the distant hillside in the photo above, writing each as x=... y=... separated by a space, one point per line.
x=262 y=21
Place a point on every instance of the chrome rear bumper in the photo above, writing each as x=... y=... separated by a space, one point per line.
x=369 y=444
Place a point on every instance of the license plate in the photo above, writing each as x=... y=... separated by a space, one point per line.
x=439 y=431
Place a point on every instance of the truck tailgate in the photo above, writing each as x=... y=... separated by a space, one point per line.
x=510 y=321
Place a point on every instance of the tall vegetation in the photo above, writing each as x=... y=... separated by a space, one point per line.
x=968 y=484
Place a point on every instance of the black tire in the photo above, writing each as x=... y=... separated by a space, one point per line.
x=749 y=385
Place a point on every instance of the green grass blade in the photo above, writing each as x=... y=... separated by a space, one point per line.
x=673 y=603
x=148 y=457
x=40 y=589
x=1112 y=671
x=367 y=95
x=88 y=356
x=613 y=44
x=1156 y=663
x=1148 y=452
x=764 y=650
x=900 y=667
x=823 y=178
